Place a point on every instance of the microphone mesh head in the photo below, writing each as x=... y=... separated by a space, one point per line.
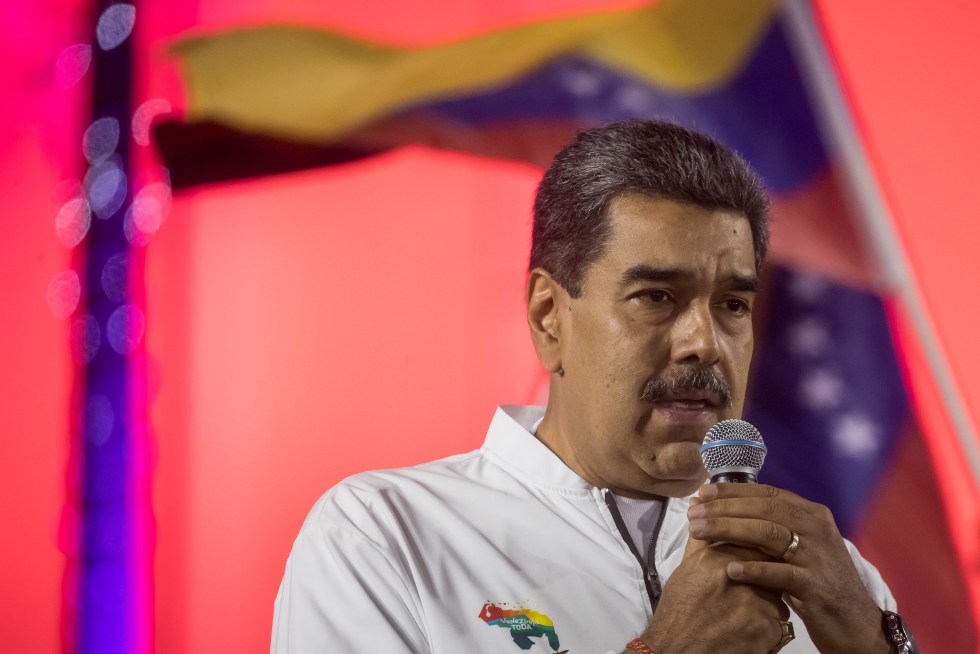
x=733 y=444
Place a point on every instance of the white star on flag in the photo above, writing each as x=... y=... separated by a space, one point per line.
x=808 y=337
x=635 y=99
x=582 y=83
x=856 y=437
x=807 y=287
x=821 y=389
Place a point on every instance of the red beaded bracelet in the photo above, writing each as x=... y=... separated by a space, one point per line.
x=638 y=645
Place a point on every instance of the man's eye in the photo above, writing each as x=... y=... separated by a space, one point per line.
x=737 y=307
x=656 y=297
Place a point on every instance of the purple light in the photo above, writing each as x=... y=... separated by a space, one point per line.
x=115 y=277
x=84 y=339
x=99 y=420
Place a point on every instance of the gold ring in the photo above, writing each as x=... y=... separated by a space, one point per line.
x=786 y=634
x=793 y=546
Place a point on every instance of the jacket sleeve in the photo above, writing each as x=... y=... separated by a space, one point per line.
x=342 y=592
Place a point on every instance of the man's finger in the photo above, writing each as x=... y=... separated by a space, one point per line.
x=723 y=491
x=693 y=545
x=782 y=511
x=777 y=576
x=765 y=535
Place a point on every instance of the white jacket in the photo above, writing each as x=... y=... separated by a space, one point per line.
x=499 y=550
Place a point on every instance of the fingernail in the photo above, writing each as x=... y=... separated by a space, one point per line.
x=695 y=511
x=735 y=570
x=708 y=491
x=698 y=526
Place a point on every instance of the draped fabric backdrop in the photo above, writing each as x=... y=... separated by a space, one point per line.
x=303 y=326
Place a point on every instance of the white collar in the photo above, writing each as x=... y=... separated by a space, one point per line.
x=511 y=441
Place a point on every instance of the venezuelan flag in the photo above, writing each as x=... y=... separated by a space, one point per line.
x=498 y=94
x=274 y=99
x=827 y=389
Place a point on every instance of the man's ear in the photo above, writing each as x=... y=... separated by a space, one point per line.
x=544 y=296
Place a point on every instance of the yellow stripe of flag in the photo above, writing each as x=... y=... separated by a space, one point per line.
x=314 y=85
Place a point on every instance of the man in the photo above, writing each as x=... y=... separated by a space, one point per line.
x=572 y=529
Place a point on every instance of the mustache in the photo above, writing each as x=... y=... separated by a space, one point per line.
x=677 y=382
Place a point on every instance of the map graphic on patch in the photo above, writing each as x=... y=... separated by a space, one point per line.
x=524 y=624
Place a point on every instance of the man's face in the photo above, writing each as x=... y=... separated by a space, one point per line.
x=663 y=325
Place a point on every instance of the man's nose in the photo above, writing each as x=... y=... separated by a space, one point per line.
x=694 y=337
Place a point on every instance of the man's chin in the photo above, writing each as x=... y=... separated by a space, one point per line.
x=677 y=469
x=680 y=481
x=660 y=488
x=687 y=433
x=679 y=487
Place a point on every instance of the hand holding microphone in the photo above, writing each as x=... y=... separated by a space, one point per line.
x=702 y=610
x=808 y=560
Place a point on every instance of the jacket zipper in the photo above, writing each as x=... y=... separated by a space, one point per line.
x=649 y=566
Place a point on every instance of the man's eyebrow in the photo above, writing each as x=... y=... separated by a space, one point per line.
x=645 y=273
x=742 y=283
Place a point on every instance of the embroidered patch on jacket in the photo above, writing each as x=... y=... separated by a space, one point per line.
x=523 y=623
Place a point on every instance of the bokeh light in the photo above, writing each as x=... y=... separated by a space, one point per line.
x=159 y=190
x=143 y=118
x=114 y=277
x=125 y=328
x=100 y=139
x=84 y=339
x=106 y=185
x=64 y=292
x=72 y=64
x=73 y=221
x=147 y=213
x=115 y=25
x=143 y=219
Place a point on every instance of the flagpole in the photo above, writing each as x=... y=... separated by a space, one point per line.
x=835 y=121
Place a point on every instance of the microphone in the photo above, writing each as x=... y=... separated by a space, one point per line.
x=733 y=452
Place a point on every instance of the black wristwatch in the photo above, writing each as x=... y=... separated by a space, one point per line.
x=898 y=634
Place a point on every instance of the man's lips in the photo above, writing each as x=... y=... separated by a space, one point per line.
x=695 y=401
x=684 y=405
x=684 y=409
